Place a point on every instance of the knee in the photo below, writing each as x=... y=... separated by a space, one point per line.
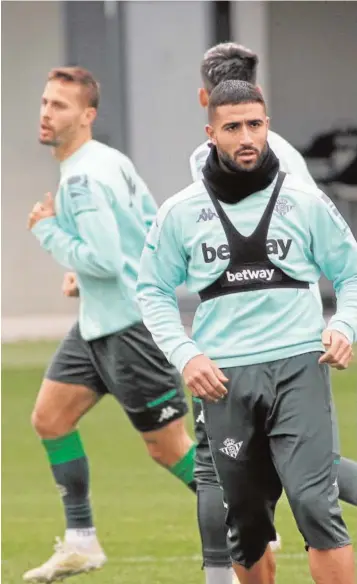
x=305 y=505
x=156 y=451
x=251 y=529
x=49 y=424
x=314 y=518
x=262 y=569
x=164 y=454
x=168 y=445
x=271 y=565
x=39 y=422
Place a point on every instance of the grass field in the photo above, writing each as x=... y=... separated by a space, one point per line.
x=145 y=519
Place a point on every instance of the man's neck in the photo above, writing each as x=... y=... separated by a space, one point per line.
x=64 y=151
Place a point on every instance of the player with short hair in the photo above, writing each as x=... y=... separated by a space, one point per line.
x=223 y=62
x=260 y=348
x=96 y=227
x=233 y=61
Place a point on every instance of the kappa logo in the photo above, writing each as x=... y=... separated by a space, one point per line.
x=207 y=215
x=231 y=448
x=279 y=247
x=343 y=224
x=130 y=184
x=167 y=413
x=282 y=207
x=200 y=418
x=78 y=186
x=79 y=180
x=62 y=490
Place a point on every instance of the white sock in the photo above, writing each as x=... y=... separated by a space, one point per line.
x=81 y=536
x=222 y=575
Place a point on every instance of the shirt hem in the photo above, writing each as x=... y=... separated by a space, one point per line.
x=107 y=331
x=268 y=356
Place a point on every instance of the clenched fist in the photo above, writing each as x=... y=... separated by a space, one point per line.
x=69 y=285
x=41 y=211
x=338 y=350
x=204 y=378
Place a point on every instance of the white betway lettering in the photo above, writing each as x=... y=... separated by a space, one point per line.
x=250 y=275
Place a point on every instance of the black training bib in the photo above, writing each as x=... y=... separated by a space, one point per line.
x=249 y=267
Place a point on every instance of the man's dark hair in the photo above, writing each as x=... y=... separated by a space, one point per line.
x=228 y=61
x=233 y=93
x=81 y=77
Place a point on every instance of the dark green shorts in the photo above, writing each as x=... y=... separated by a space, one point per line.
x=276 y=428
x=128 y=365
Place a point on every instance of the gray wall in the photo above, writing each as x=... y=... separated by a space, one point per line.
x=165 y=43
x=92 y=40
x=32 y=43
x=311 y=47
x=249 y=22
x=313 y=73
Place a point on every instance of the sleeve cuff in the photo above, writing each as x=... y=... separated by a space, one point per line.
x=343 y=328
x=183 y=354
x=41 y=228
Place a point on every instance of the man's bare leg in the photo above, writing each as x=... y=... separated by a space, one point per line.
x=263 y=572
x=335 y=566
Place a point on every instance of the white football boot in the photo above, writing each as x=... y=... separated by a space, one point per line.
x=69 y=559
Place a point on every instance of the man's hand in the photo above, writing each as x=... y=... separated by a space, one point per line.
x=204 y=378
x=338 y=349
x=69 y=285
x=41 y=211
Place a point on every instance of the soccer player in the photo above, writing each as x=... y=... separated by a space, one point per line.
x=233 y=61
x=221 y=62
x=96 y=227
x=260 y=350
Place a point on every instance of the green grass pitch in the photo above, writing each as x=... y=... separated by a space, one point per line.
x=146 y=520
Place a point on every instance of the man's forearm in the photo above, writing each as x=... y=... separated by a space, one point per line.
x=161 y=316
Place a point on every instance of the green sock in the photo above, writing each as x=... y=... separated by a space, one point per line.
x=70 y=469
x=184 y=468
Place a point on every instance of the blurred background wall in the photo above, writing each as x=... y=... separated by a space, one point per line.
x=146 y=56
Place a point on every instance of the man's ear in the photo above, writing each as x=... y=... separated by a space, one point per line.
x=203 y=97
x=89 y=115
x=210 y=133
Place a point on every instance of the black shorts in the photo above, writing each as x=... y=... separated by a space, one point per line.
x=275 y=428
x=127 y=365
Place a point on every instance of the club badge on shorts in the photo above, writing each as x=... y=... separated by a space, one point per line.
x=231 y=448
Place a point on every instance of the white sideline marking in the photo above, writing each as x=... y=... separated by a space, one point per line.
x=193 y=558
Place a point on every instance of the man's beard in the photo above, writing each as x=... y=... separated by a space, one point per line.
x=232 y=165
x=54 y=138
x=52 y=143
